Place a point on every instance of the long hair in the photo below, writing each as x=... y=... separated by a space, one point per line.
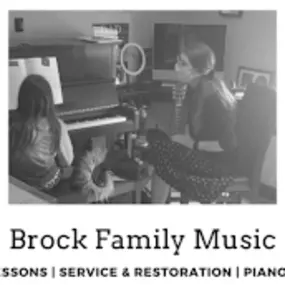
x=203 y=60
x=200 y=55
x=35 y=102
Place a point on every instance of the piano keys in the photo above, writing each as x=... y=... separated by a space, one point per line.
x=92 y=110
x=85 y=124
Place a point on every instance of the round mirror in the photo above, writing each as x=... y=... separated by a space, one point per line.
x=132 y=59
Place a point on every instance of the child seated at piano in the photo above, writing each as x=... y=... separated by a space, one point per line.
x=39 y=144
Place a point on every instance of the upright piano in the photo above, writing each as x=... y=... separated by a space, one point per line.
x=87 y=70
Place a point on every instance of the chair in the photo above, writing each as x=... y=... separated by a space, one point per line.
x=256 y=123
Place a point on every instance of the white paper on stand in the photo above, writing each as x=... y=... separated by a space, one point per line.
x=19 y=69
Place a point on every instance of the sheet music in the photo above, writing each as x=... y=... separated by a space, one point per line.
x=48 y=68
x=17 y=73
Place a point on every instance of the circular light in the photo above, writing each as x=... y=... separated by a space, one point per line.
x=140 y=49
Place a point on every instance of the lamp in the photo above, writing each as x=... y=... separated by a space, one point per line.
x=123 y=55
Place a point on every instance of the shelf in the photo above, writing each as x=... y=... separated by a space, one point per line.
x=63 y=42
x=98 y=40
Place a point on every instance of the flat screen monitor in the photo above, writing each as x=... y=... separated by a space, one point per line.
x=166 y=46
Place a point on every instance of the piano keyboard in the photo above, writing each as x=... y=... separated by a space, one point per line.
x=95 y=123
x=81 y=111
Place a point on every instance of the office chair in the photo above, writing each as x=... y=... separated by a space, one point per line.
x=256 y=124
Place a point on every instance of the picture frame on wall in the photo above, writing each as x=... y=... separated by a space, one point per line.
x=246 y=76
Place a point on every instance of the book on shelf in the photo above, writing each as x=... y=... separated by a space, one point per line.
x=100 y=40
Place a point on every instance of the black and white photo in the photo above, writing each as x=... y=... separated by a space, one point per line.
x=138 y=107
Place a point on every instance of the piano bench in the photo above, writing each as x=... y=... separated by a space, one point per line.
x=21 y=193
x=64 y=195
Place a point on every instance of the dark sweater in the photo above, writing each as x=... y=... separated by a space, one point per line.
x=216 y=121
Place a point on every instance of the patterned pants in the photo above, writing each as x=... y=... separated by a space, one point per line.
x=201 y=175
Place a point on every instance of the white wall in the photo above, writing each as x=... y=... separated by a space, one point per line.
x=251 y=40
x=47 y=24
